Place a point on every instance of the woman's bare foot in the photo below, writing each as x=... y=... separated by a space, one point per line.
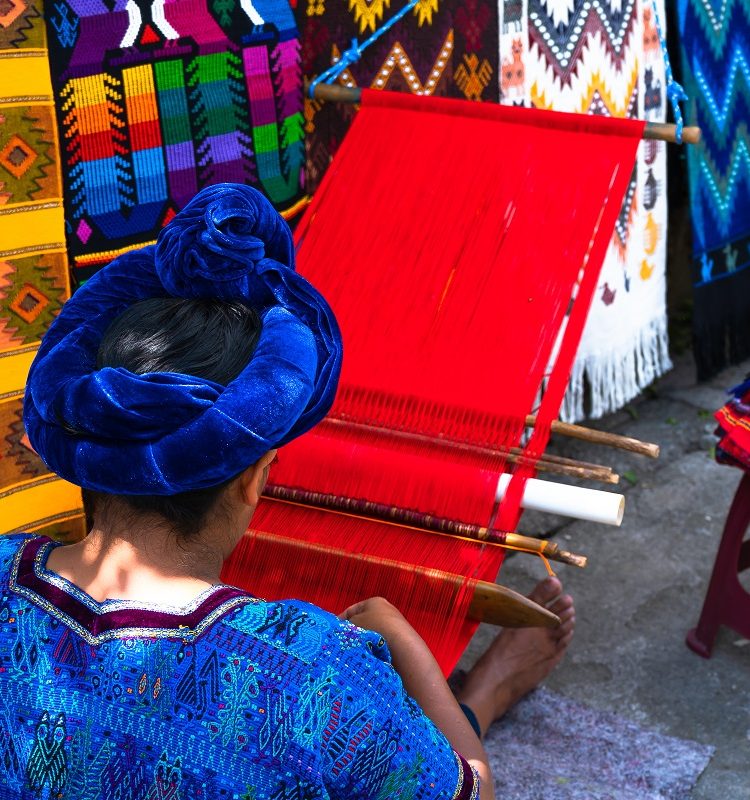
x=519 y=659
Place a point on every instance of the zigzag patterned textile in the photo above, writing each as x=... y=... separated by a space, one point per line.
x=715 y=44
x=158 y=98
x=445 y=48
x=603 y=57
x=33 y=265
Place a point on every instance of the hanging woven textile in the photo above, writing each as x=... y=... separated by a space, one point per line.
x=157 y=100
x=33 y=267
x=604 y=57
x=599 y=58
x=446 y=49
x=715 y=46
x=427 y=241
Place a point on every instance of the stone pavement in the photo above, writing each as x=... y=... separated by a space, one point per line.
x=645 y=583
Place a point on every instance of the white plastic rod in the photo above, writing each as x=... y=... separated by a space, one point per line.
x=570 y=501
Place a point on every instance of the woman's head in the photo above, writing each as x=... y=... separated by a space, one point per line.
x=204 y=338
x=210 y=339
x=144 y=384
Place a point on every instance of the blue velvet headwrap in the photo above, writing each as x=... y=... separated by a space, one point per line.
x=162 y=433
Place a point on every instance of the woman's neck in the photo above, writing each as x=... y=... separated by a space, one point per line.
x=144 y=561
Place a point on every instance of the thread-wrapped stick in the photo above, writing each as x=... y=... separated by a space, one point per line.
x=663 y=131
x=381 y=511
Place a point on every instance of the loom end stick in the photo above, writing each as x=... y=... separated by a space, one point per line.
x=544 y=547
x=667 y=132
x=574 y=559
x=600 y=437
x=498 y=605
x=334 y=93
x=571 y=501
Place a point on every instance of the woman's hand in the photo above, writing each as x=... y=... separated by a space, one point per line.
x=378 y=615
x=423 y=680
x=374 y=609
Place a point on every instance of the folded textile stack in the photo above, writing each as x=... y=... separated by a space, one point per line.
x=734 y=428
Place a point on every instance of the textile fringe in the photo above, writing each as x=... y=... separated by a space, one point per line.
x=721 y=323
x=603 y=382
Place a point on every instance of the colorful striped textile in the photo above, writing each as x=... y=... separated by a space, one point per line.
x=715 y=44
x=33 y=266
x=158 y=99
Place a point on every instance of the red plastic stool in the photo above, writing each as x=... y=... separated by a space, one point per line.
x=727 y=602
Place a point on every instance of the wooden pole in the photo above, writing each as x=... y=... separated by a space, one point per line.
x=601 y=437
x=663 y=131
x=491 y=603
x=554 y=465
x=334 y=93
x=498 y=605
x=666 y=132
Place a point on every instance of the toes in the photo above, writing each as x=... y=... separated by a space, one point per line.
x=566 y=629
x=561 y=604
x=568 y=618
x=546 y=591
x=567 y=624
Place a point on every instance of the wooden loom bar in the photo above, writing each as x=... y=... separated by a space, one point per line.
x=601 y=437
x=424 y=522
x=663 y=131
x=667 y=132
x=491 y=603
x=554 y=465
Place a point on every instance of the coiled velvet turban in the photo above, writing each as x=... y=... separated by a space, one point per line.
x=162 y=433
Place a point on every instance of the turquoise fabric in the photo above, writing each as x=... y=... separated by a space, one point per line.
x=232 y=697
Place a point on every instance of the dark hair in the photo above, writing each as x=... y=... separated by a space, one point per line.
x=206 y=338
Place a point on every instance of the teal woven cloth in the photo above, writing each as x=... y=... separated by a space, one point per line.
x=715 y=43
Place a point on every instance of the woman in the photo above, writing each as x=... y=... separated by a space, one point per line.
x=127 y=669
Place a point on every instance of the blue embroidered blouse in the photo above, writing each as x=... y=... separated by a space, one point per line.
x=230 y=697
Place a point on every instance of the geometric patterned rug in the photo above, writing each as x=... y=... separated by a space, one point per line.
x=34 y=279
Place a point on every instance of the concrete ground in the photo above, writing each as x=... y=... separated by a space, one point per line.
x=645 y=583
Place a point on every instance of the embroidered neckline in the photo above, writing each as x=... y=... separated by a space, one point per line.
x=114 y=619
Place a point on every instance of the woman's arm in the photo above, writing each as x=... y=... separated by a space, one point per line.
x=424 y=681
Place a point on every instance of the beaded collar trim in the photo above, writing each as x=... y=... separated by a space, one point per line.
x=114 y=619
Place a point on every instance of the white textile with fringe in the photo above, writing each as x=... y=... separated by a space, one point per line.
x=604 y=57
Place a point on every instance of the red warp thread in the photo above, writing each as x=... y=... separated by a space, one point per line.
x=454 y=242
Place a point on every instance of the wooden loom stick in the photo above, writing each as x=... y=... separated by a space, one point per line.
x=491 y=603
x=425 y=522
x=663 y=131
x=601 y=437
x=667 y=132
x=554 y=465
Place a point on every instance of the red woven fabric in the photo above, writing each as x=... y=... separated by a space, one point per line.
x=734 y=433
x=459 y=245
